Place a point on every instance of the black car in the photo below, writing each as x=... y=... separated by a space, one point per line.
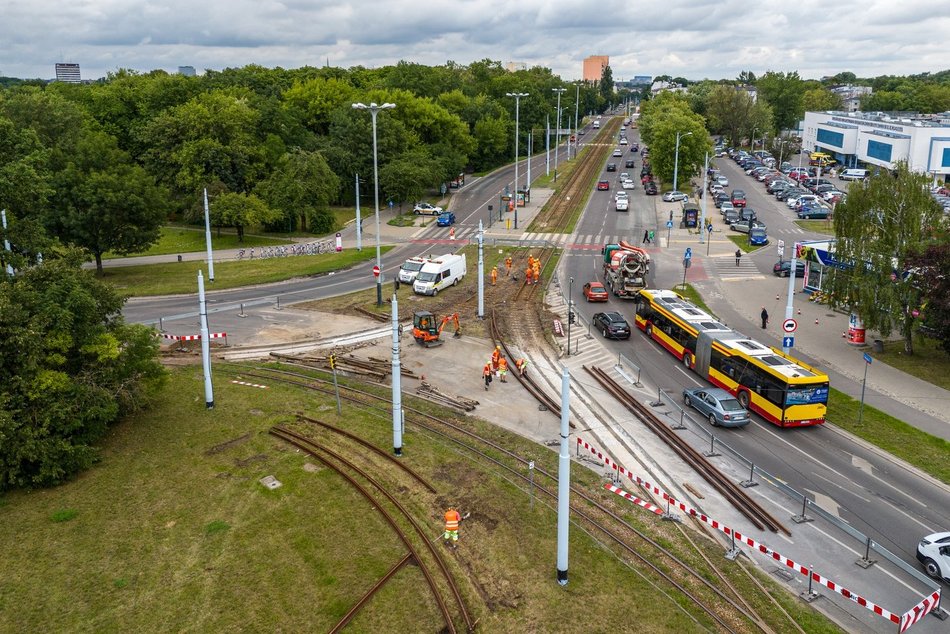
x=650 y=188
x=646 y=169
x=747 y=213
x=611 y=167
x=720 y=198
x=789 y=191
x=629 y=163
x=612 y=325
x=784 y=267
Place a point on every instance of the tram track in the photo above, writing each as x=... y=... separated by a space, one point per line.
x=593 y=514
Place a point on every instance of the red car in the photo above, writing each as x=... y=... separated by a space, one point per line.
x=603 y=185
x=595 y=292
x=738 y=198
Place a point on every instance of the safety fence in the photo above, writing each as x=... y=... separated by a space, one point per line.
x=263 y=387
x=181 y=338
x=904 y=621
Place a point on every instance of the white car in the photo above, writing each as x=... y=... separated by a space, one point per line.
x=618 y=152
x=623 y=141
x=673 y=196
x=933 y=552
x=628 y=184
x=425 y=209
x=722 y=180
x=620 y=194
x=624 y=176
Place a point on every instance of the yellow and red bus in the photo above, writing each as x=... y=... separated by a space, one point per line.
x=778 y=387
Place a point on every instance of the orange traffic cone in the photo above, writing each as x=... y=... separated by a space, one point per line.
x=799 y=311
x=816 y=321
x=452 y=233
x=776 y=297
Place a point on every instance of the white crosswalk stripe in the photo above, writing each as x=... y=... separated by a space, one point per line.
x=726 y=269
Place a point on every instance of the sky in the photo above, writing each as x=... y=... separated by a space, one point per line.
x=695 y=39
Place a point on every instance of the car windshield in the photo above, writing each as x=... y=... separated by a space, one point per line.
x=426 y=277
x=411 y=266
x=757 y=232
x=730 y=405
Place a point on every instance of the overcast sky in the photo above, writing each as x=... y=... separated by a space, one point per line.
x=694 y=39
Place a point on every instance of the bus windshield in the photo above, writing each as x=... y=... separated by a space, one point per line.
x=806 y=394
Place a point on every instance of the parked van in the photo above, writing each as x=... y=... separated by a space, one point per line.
x=410 y=269
x=440 y=273
x=853 y=175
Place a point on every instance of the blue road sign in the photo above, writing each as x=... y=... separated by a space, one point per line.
x=689 y=253
x=788 y=342
x=669 y=224
x=709 y=227
x=867 y=358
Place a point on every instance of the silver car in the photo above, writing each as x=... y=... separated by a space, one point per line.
x=718 y=405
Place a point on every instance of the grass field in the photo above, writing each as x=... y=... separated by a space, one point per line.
x=188 y=239
x=171 y=531
x=181 y=277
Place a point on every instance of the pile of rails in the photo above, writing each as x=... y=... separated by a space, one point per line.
x=372 y=368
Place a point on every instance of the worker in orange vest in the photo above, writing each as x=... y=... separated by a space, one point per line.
x=503 y=369
x=486 y=374
x=508 y=266
x=537 y=271
x=522 y=365
x=494 y=275
x=495 y=356
x=528 y=273
x=452 y=520
x=530 y=262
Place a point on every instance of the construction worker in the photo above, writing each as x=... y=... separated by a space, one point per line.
x=530 y=262
x=522 y=365
x=527 y=276
x=452 y=520
x=495 y=357
x=537 y=271
x=508 y=266
x=486 y=374
x=494 y=275
x=503 y=369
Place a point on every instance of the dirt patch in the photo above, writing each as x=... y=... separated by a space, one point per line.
x=229 y=444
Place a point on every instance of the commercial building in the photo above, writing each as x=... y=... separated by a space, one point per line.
x=512 y=67
x=68 y=73
x=594 y=67
x=879 y=140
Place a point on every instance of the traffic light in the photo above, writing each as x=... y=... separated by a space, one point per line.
x=570 y=317
x=332 y=360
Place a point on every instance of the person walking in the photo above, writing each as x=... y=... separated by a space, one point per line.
x=452 y=520
x=738 y=256
x=495 y=357
x=652 y=236
x=494 y=275
x=646 y=236
x=508 y=266
x=527 y=276
x=765 y=317
x=537 y=271
x=503 y=369
x=486 y=375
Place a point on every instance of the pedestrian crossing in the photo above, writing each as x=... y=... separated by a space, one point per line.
x=563 y=240
x=727 y=270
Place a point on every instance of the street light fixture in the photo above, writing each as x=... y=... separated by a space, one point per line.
x=373 y=110
x=752 y=149
x=517 y=96
x=676 y=159
x=557 y=136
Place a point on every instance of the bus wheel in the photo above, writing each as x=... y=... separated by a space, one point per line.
x=649 y=331
x=744 y=399
x=687 y=359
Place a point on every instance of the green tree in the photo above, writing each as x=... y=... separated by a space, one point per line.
x=729 y=111
x=821 y=99
x=661 y=119
x=607 y=85
x=783 y=92
x=240 y=211
x=491 y=137
x=930 y=267
x=746 y=78
x=69 y=368
x=24 y=170
x=301 y=188
x=407 y=177
x=883 y=223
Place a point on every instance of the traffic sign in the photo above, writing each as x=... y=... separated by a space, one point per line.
x=709 y=228
x=788 y=342
x=781 y=244
x=375 y=270
x=688 y=254
x=669 y=224
x=867 y=358
x=789 y=325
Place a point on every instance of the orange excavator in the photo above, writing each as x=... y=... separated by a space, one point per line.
x=427 y=330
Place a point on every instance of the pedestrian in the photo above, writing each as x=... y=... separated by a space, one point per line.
x=508 y=266
x=486 y=374
x=646 y=235
x=537 y=271
x=522 y=365
x=527 y=276
x=765 y=317
x=503 y=369
x=452 y=520
x=494 y=275
x=671 y=215
x=495 y=357
x=738 y=256
x=652 y=236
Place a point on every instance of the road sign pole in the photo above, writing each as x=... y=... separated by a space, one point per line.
x=708 y=240
x=867 y=362
x=789 y=306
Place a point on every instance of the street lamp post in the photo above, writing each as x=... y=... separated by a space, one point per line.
x=752 y=149
x=373 y=110
x=577 y=103
x=570 y=314
x=517 y=96
x=557 y=135
x=676 y=159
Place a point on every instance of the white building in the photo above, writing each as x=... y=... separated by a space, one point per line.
x=877 y=139
x=851 y=95
x=68 y=73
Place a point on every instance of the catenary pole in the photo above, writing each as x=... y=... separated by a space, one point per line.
x=208 y=239
x=397 y=384
x=481 y=271
x=564 y=480
x=557 y=132
x=359 y=221
x=205 y=342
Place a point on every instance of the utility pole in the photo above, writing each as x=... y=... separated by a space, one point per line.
x=397 y=386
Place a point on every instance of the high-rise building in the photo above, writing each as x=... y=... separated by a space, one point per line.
x=512 y=67
x=187 y=71
x=68 y=73
x=594 y=67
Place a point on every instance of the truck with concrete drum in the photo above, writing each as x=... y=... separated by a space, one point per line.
x=625 y=269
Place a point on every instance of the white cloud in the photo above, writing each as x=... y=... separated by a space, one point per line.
x=693 y=39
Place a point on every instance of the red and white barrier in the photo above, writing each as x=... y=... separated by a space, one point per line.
x=263 y=387
x=919 y=611
x=180 y=338
x=813 y=576
x=633 y=498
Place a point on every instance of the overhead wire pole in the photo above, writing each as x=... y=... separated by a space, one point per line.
x=557 y=133
x=517 y=96
x=577 y=103
x=373 y=110
x=564 y=480
x=359 y=221
x=208 y=238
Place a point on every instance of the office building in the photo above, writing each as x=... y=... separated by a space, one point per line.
x=594 y=67
x=68 y=73
x=187 y=71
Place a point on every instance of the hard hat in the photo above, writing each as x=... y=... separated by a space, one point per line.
x=497 y=347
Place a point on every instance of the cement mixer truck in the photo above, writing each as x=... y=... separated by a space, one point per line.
x=625 y=269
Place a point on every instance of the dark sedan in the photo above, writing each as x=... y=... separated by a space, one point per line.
x=784 y=268
x=612 y=325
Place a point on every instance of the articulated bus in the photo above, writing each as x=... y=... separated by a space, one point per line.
x=781 y=389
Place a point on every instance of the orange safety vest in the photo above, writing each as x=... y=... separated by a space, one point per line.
x=452 y=519
x=487 y=370
x=502 y=364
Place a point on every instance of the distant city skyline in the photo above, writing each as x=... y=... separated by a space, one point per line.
x=679 y=38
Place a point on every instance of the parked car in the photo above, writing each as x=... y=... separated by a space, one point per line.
x=674 y=196
x=758 y=237
x=603 y=185
x=738 y=198
x=595 y=292
x=726 y=206
x=650 y=189
x=789 y=192
x=722 y=180
x=747 y=213
x=446 y=219
x=744 y=226
x=717 y=405
x=611 y=325
x=720 y=198
x=784 y=268
x=731 y=216
x=425 y=209
x=813 y=212
x=933 y=552
x=611 y=167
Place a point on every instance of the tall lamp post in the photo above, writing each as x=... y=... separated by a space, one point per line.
x=676 y=159
x=517 y=96
x=373 y=110
x=752 y=141
x=577 y=103
x=557 y=136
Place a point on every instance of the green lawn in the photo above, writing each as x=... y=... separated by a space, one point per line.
x=825 y=227
x=181 y=277
x=928 y=363
x=186 y=240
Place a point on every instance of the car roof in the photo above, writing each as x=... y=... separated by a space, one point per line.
x=938 y=537
x=614 y=316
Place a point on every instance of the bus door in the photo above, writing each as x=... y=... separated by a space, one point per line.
x=703 y=353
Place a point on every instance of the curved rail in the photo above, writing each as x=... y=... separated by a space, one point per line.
x=529 y=384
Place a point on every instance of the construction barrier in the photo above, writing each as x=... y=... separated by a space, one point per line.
x=180 y=338
x=263 y=387
x=911 y=617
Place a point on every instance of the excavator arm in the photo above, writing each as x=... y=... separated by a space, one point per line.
x=451 y=318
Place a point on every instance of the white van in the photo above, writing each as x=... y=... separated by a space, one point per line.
x=597 y=124
x=440 y=273
x=853 y=175
x=410 y=269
